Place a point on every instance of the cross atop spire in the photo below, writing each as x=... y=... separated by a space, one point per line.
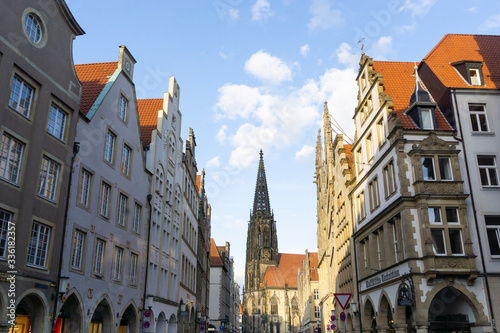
x=261 y=204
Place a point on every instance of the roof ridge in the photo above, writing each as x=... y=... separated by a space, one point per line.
x=98 y=63
x=149 y=99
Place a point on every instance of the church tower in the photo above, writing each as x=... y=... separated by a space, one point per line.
x=262 y=240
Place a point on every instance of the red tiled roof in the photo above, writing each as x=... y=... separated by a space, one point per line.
x=93 y=78
x=148 y=117
x=399 y=82
x=198 y=182
x=454 y=48
x=313 y=266
x=215 y=259
x=286 y=272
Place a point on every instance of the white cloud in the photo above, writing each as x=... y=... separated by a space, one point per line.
x=225 y=55
x=261 y=10
x=472 y=9
x=346 y=57
x=221 y=135
x=304 y=50
x=214 y=162
x=381 y=48
x=305 y=153
x=279 y=120
x=491 y=22
x=233 y=14
x=418 y=7
x=409 y=27
x=268 y=68
x=323 y=16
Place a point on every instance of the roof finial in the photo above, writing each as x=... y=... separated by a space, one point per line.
x=261 y=154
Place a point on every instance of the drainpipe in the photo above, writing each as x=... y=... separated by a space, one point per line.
x=149 y=197
x=76 y=149
x=357 y=288
x=490 y=305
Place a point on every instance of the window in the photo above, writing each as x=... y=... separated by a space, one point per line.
x=11 y=153
x=5 y=220
x=379 y=250
x=137 y=218
x=381 y=132
x=427 y=121
x=369 y=147
x=117 y=265
x=475 y=78
x=21 y=96
x=86 y=180
x=57 y=122
x=33 y=28
x=446 y=232
x=488 y=170
x=359 y=159
x=445 y=168
x=127 y=152
x=122 y=108
x=428 y=168
x=132 y=269
x=360 y=200
x=478 y=117
x=374 y=196
x=316 y=312
x=316 y=294
x=39 y=245
x=99 y=256
x=122 y=208
x=159 y=180
x=105 y=195
x=493 y=230
x=77 y=255
x=48 y=178
x=110 y=147
x=389 y=178
x=274 y=307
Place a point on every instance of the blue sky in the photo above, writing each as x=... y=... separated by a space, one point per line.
x=254 y=74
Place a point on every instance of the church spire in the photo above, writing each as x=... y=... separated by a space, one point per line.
x=261 y=206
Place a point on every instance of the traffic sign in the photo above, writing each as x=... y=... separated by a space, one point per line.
x=327 y=327
x=333 y=318
x=333 y=326
x=147 y=313
x=342 y=316
x=343 y=299
x=146 y=324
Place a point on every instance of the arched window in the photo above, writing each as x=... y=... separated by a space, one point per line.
x=159 y=180
x=274 y=306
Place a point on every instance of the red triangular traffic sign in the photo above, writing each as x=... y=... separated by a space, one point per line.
x=342 y=299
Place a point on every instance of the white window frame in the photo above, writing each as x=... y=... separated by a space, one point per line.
x=49 y=175
x=77 y=253
x=493 y=233
x=137 y=218
x=476 y=117
x=431 y=158
x=21 y=96
x=5 y=222
x=33 y=28
x=447 y=165
x=100 y=249
x=132 y=276
x=117 y=263
x=39 y=245
x=104 y=199
x=86 y=182
x=56 y=124
x=428 y=123
x=109 y=147
x=122 y=209
x=389 y=175
x=475 y=80
x=123 y=108
x=11 y=158
x=126 y=157
x=381 y=132
x=488 y=170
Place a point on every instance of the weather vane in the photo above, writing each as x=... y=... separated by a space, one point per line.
x=362 y=44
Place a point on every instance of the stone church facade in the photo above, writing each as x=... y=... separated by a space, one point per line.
x=270 y=296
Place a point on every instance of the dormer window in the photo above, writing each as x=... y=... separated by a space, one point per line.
x=475 y=79
x=427 y=119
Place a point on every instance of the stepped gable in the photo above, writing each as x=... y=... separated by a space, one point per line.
x=94 y=78
x=148 y=117
x=285 y=273
x=399 y=83
x=313 y=266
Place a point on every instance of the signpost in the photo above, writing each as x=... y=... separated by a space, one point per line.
x=343 y=299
